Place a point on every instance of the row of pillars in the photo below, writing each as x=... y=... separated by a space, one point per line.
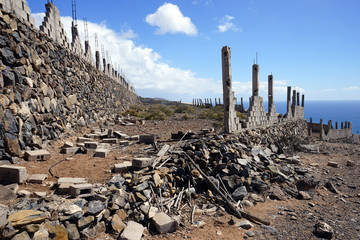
x=206 y=102
x=108 y=70
x=295 y=98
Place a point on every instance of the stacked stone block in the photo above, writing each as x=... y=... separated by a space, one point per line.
x=88 y=54
x=76 y=42
x=53 y=26
x=20 y=8
x=257 y=115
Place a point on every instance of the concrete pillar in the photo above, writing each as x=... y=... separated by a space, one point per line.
x=219 y=101
x=342 y=125
x=321 y=129
x=216 y=102
x=227 y=88
x=108 y=69
x=330 y=124
x=350 y=125
x=97 y=60
x=255 y=80
x=302 y=100
x=336 y=125
x=298 y=98
x=242 y=104
x=288 y=100
x=211 y=102
x=346 y=124
x=104 y=65
x=294 y=98
x=310 y=127
x=270 y=92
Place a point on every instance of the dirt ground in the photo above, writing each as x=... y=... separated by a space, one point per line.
x=341 y=211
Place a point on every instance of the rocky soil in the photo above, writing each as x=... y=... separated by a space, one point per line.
x=286 y=182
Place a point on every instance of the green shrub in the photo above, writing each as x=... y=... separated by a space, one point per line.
x=183 y=108
x=185 y=116
x=240 y=115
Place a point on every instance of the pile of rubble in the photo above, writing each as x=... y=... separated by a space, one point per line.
x=46 y=90
x=154 y=192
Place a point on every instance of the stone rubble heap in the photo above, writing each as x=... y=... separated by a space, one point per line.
x=154 y=193
x=46 y=90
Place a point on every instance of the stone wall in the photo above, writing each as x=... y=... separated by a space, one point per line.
x=327 y=132
x=20 y=9
x=45 y=89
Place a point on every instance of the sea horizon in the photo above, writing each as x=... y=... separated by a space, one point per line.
x=334 y=110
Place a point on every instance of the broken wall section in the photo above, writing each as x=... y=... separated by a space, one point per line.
x=20 y=9
x=53 y=26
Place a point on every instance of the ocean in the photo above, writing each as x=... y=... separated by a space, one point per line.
x=336 y=111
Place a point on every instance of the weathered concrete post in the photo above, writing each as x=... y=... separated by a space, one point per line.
x=321 y=129
x=298 y=98
x=255 y=80
x=242 y=105
x=108 y=69
x=270 y=92
x=219 y=101
x=228 y=99
x=330 y=124
x=97 y=60
x=310 y=127
x=342 y=125
x=302 y=100
x=288 y=100
x=346 y=124
x=294 y=98
x=336 y=125
x=104 y=65
x=216 y=102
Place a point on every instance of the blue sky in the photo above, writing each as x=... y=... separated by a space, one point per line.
x=172 y=49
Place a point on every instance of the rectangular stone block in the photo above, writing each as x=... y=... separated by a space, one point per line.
x=71 y=180
x=91 y=145
x=63 y=188
x=142 y=162
x=133 y=231
x=148 y=139
x=164 y=224
x=124 y=143
x=12 y=174
x=41 y=155
x=70 y=150
x=121 y=135
x=81 y=190
x=110 y=140
x=83 y=139
x=37 y=178
x=101 y=153
x=134 y=138
x=122 y=167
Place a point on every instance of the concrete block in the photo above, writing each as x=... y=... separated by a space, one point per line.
x=83 y=139
x=134 y=138
x=163 y=150
x=110 y=140
x=42 y=155
x=37 y=178
x=122 y=167
x=350 y=163
x=68 y=144
x=81 y=190
x=133 y=231
x=163 y=223
x=101 y=153
x=333 y=164
x=12 y=174
x=70 y=150
x=148 y=139
x=124 y=143
x=121 y=135
x=142 y=162
x=63 y=188
x=91 y=145
x=71 y=180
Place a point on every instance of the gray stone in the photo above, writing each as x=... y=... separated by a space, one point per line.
x=333 y=164
x=142 y=162
x=6 y=195
x=117 y=180
x=148 y=139
x=22 y=236
x=8 y=56
x=40 y=155
x=133 y=231
x=250 y=233
x=117 y=224
x=163 y=223
x=4 y=210
x=102 y=153
x=323 y=230
x=239 y=193
x=73 y=232
x=244 y=224
x=85 y=222
x=37 y=178
x=42 y=234
x=122 y=167
x=81 y=190
x=95 y=207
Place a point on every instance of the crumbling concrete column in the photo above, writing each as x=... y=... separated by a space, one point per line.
x=255 y=80
x=294 y=98
x=219 y=101
x=336 y=125
x=330 y=124
x=342 y=125
x=228 y=99
x=302 y=100
x=104 y=65
x=270 y=92
x=108 y=69
x=298 y=98
x=321 y=129
x=310 y=127
x=288 y=100
x=97 y=60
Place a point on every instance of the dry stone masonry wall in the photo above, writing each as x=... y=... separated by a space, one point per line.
x=19 y=8
x=45 y=89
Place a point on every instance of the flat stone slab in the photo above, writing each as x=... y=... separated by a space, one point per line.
x=333 y=164
x=68 y=144
x=122 y=167
x=101 y=153
x=163 y=223
x=6 y=195
x=37 y=178
x=13 y=174
x=148 y=139
x=133 y=231
x=83 y=139
x=26 y=217
x=142 y=162
x=81 y=190
x=124 y=143
x=121 y=135
x=41 y=155
x=110 y=140
x=71 y=180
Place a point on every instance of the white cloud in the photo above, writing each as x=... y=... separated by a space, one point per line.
x=205 y=2
x=226 y=24
x=169 y=19
x=146 y=70
x=352 y=88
